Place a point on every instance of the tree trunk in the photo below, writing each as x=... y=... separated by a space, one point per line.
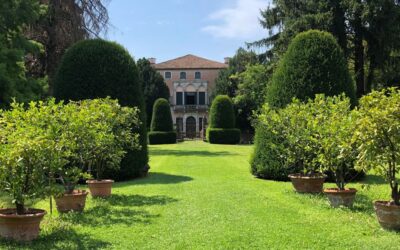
x=339 y=25
x=359 y=52
x=20 y=208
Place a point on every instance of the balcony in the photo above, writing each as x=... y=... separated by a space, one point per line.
x=190 y=108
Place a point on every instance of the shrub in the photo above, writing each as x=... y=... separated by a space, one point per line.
x=222 y=122
x=162 y=119
x=223 y=135
x=314 y=63
x=96 y=69
x=305 y=137
x=162 y=131
x=378 y=136
x=159 y=137
x=222 y=114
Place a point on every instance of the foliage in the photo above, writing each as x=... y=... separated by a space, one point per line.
x=310 y=137
x=14 y=83
x=27 y=153
x=378 y=135
x=161 y=137
x=365 y=30
x=335 y=128
x=60 y=26
x=313 y=64
x=162 y=119
x=96 y=69
x=104 y=145
x=221 y=113
x=250 y=95
x=153 y=86
x=223 y=135
x=227 y=82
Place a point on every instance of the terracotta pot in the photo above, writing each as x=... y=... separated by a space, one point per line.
x=72 y=202
x=308 y=184
x=100 y=188
x=24 y=227
x=339 y=197
x=388 y=215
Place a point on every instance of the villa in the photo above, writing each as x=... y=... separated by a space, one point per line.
x=190 y=80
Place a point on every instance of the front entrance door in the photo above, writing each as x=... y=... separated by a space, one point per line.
x=191 y=127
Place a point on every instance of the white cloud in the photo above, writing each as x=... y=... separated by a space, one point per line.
x=240 y=21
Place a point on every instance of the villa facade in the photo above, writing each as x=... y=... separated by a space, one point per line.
x=190 y=80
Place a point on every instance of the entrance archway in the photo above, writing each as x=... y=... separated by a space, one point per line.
x=190 y=127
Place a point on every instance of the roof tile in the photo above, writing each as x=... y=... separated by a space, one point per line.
x=190 y=62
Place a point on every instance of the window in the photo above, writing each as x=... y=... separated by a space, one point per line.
x=190 y=98
x=179 y=124
x=182 y=76
x=197 y=75
x=167 y=75
x=202 y=98
x=179 y=98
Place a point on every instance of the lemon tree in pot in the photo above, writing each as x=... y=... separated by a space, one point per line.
x=24 y=169
x=108 y=136
x=378 y=135
x=302 y=146
x=335 y=123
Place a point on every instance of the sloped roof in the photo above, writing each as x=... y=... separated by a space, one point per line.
x=190 y=62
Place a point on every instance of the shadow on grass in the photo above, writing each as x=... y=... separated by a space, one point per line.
x=363 y=203
x=374 y=179
x=60 y=238
x=118 y=209
x=138 y=200
x=156 y=178
x=199 y=153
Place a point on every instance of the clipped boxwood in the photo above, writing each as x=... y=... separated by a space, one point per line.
x=223 y=135
x=160 y=137
x=96 y=68
x=314 y=63
x=222 y=122
x=162 y=131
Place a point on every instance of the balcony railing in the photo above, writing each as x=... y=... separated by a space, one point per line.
x=190 y=108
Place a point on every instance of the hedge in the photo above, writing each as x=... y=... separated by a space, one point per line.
x=223 y=136
x=96 y=69
x=314 y=63
x=159 y=137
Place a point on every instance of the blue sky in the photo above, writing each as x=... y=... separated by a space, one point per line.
x=166 y=29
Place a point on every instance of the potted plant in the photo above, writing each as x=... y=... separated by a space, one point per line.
x=71 y=199
x=337 y=154
x=24 y=157
x=378 y=135
x=106 y=142
x=302 y=147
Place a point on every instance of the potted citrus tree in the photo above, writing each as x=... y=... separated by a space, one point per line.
x=303 y=147
x=378 y=135
x=109 y=134
x=24 y=158
x=337 y=153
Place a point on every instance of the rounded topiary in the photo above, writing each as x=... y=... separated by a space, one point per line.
x=162 y=119
x=222 y=122
x=96 y=69
x=222 y=114
x=314 y=63
x=161 y=128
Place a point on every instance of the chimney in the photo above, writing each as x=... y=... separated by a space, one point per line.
x=152 y=60
x=226 y=60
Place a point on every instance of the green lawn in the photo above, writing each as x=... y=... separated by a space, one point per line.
x=201 y=196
